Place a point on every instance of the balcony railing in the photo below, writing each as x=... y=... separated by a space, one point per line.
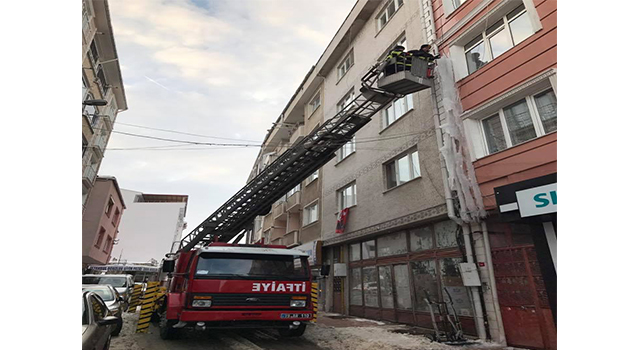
x=297 y=135
x=279 y=210
x=291 y=239
x=99 y=143
x=293 y=202
x=89 y=174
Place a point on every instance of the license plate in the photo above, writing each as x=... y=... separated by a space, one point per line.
x=295 y=315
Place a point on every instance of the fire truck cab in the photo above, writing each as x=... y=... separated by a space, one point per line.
x=237 y=286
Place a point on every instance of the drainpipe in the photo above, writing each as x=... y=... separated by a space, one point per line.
x=450 y=209
x=493 y=283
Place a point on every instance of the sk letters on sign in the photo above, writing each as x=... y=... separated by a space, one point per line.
x=538 y=200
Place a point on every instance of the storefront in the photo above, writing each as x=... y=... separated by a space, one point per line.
x=387 y=275
x=523 y=239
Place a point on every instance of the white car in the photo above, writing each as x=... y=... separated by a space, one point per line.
x=122 y=283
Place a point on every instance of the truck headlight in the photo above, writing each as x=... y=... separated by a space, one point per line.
x=298 y=303
x=202 y=303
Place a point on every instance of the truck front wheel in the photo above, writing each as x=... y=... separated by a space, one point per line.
x=166 y=327
x=285 y=332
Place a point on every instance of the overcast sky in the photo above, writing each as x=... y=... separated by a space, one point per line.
x=216 y=68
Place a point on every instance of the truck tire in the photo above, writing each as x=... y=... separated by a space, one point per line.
x=167 y=331
x=285 y=332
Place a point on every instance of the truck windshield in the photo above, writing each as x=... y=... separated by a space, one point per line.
x=251 y=266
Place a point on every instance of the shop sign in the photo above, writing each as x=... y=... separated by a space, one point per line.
x=538 y=200
x=314 y=251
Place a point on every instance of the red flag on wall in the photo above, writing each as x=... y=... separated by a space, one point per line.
x=341 y=222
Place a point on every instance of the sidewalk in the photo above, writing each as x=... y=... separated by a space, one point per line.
x=348 y=332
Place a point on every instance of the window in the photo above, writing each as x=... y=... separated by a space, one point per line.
x=392 y=244
x=347 y=196
x=86 y=87
x=403 y=293
x=293 y=191
x=506 y=33
x=99 y=309
x=531 y=117
x=85 y=144
x=368 y=249
x=315 y=103
x=101 y=78
x=99 y=240
x=421 y=239
x=356 y=295
x=425 y=281
x=345 y=65
x=370 y=286
x=451 y=5
x=312 y=177
x=90 y=111
x=403 y=169
x=94 y=52
x=108 y=244
x=387 y=13
x=310 y=214
x=110 y=206
x=396 y=110
x=347 y=149
x=355 y=252
x=116 y=216
x=387 y=289
x=345 y=101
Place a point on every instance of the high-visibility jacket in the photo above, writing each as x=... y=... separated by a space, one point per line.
x=399 y=55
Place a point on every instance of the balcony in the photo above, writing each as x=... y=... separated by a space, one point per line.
x=89 y=174
x=267 y=222
x=297 y=135
x=291 y=239
x=293 y=202
x=99 y=143
x=279 y=210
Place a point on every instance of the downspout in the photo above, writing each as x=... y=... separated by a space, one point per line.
x=493 y=283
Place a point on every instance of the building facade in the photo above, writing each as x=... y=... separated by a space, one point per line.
x=500 y=60
x=152 y=226
x=102 y=80
x=101 y=219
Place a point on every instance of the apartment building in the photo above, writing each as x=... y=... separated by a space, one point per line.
x=152 y=226
x=500 y=59
x=101 y=219
x=399 y=240
x=102 y=80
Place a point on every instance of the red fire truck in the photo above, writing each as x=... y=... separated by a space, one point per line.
x=238 y=286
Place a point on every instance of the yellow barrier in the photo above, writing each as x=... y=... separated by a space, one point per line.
x=148 y=301
x=135 y=298
x=314 y=297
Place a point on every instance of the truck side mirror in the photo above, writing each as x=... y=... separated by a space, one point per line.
x=168 y=266
x=325 y=271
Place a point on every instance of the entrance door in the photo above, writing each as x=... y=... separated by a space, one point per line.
x=527 y=316
x=387 y=293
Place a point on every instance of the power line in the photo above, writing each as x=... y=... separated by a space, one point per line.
x=185 y=142
x=184 y=133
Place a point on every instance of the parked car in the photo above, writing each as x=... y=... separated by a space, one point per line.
x=112 y=299
x=122 y=283
x=97 y=325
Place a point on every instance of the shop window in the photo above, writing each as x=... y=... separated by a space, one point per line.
x=421 y=239
x=370 y=286
x=368 y=249
x=452 y=282
x=387 y=290
x=425 y=279
x=356 y=297
x=392 y=244
x=446 y=234
x=355 y=252
x=403 y=294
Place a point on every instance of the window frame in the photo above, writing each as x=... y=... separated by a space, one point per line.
x=406 y=104
x=533 y=112
x=340 y=196
x=108 y=243
x=486 y=35
x=317 y=96
x=314 y=176
x=384 y=12
x=346 y=64
x=99 y=238
x=409 y=155
x=110 y=206
x=315 y=204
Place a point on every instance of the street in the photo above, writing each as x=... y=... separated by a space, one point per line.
x=329 y=334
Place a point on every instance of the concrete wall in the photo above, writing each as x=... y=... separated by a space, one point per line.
x=148 y=229
x=95 y=218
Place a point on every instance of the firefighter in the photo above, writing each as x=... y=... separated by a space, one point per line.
x=399 y=54
x=424 y=54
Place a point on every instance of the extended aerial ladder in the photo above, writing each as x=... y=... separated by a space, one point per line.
x=308 y=155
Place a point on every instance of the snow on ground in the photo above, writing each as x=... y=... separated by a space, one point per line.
x=126 y=340
x=368 y=338
x=366 y=320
